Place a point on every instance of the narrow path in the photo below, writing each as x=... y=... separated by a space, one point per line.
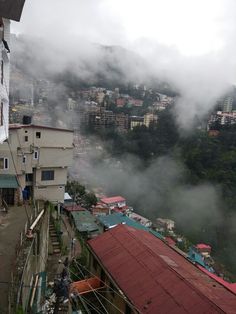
x=11 y=224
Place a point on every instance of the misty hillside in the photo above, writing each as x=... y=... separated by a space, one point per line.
x=81 y=65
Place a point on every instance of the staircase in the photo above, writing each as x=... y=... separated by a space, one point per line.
x=54 y=239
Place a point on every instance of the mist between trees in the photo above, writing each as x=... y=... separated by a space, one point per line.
x=190 y=179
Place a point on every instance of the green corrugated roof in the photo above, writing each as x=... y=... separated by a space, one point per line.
x=8 y=181
x=84 y=221
x=112 y=220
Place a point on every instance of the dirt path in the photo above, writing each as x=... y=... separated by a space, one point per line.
x=11 y=224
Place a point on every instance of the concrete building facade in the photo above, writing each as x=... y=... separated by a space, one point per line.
x=4 y=77
x=39 y=156
x=9 y=10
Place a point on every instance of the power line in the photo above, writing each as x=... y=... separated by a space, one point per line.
x=105 y=297
x=113 y=290
x=93 y=291
x=91 y=305
x=90 y=287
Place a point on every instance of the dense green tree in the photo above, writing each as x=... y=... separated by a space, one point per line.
x=89 y=199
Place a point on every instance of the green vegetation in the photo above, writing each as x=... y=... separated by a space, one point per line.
x=207 y=160
x=80 y=195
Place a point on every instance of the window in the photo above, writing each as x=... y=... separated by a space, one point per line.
x=26 y=138
x=38 y=134
x=24 y=159
x=29 y=177
x=47 y=175
x=36 y=154
x=1 y=114
x=4 y=163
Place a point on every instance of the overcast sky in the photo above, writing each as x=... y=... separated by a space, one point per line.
x=190 y=43
x=192 y=26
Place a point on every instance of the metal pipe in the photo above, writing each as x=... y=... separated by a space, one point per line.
x=34 y=290
x=36 y=220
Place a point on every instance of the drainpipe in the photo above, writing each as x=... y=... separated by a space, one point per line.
x=30 y=230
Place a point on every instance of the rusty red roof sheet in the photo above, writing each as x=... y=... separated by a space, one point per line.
x=203 y=246
x=114 y=199
x=228 y=285
x=156 y=278
x=73 y=208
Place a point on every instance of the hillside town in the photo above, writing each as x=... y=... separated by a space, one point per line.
x=70 y=247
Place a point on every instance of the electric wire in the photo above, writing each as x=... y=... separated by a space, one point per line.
x=91 y=305
x=93 y=290
x=89 y=285
x=105 y=297
x=113 y=290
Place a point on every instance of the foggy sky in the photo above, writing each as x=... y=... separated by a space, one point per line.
x=189 y=43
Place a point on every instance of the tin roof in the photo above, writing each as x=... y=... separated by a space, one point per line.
x=72 y=207
x=203 y=246
x=67 y=196
x=84 y=221
x=155 y=278
x=11 y=9
x=112 y=220
x=115 y=219
x=8 y=181
x=114 y=199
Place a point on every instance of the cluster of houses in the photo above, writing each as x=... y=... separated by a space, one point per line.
x=137 y=270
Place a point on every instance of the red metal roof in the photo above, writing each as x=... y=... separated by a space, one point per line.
x=170 y=241
x=86 y=285
x=228 y=285
x=203 y=246
x=73 y=208
x=114 y=199
x=157 y=279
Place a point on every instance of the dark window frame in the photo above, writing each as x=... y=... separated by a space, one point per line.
x=36 y=154
x=47 y=175
x=38 y=134
x=5 y=163
x=29 y=177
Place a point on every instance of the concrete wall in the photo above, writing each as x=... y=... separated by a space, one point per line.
x=48 y=137
x=54 y=152
x=53 y=194
x=54 y=157
x=36 y=259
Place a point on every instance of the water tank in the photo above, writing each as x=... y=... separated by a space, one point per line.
x=27 y=120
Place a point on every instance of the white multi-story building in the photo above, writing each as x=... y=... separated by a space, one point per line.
x=4 y=78
x=34 y=163
x=9 y=10
x=228 y=104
